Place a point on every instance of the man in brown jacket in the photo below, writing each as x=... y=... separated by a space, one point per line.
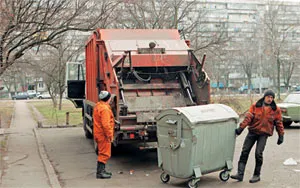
x=261 y=119
x=103 y=132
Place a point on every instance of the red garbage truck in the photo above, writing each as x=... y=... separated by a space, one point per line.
x=146 y=71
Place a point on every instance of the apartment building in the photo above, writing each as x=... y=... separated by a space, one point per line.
x=244 y=23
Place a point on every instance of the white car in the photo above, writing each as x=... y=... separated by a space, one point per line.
x=44 y=96
x=32 y=93
x=290 y=109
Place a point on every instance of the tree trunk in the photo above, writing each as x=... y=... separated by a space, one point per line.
x=54 y=102
x=15 y=85
x=60 y=101
x=278 y=77
x=227 y=82
x=289 y=74
x=249 y=84
x=175 y=18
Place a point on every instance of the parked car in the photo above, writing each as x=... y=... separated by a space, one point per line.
x=32 y=93
x=21 y=95
x=44 y=96
x=290 y=108
x=244 y=89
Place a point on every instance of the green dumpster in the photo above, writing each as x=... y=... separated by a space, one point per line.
x=196 y=140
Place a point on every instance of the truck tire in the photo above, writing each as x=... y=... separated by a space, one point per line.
x=88 y=135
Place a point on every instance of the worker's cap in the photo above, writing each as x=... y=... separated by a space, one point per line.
x=104 y=96
x=269 y=92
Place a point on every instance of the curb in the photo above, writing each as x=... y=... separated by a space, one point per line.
x=53 y=179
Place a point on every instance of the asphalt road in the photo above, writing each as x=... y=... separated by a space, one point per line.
x=74 y=161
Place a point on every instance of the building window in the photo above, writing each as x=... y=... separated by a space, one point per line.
x=41 y=85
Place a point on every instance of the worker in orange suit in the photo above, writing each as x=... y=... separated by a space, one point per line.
x=103 y=132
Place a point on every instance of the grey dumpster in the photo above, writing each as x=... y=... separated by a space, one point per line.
x=193 y=141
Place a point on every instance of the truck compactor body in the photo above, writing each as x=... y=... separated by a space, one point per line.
x=146 y=71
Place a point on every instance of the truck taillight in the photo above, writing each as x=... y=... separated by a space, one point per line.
x=283 y=110
x=131 y=136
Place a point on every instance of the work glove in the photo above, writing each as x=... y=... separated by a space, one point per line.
x=280 y=140
x=238 y=131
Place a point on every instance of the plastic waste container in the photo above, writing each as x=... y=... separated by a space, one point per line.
x=193 y=141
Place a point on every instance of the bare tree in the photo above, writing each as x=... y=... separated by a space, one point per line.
x=16 y=78
x=289 y=58
x=178 y=14
x=153 y=14
x=29 y=23
x=249 y=58
x=68 y=49
x=213 y=40
x=287 y=72
x=9 y=79
x=276 y=32
x=218 y=66
x=51 y=62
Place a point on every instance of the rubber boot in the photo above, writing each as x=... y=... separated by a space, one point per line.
x=254 y=179
x=106 y=171
x=101 y=173
x=237 y=176
x=240 y=174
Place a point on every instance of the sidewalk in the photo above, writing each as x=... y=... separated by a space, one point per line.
x=27 y=163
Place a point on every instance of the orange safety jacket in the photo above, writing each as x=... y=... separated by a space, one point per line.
x=261 y=119
x=103 y=122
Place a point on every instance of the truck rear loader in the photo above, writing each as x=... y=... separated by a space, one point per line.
x=146 y=71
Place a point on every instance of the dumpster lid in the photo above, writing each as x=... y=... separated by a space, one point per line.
x=204 y=113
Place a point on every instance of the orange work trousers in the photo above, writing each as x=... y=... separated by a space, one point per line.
x=104 y=149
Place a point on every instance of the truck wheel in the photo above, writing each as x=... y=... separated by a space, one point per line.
x=224 y=175
x=287 y=123
x=165 y=178
x=88 y=135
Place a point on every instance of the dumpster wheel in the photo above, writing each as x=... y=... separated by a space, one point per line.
x=224 y=175
x=193 y=183
x=165 y=178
